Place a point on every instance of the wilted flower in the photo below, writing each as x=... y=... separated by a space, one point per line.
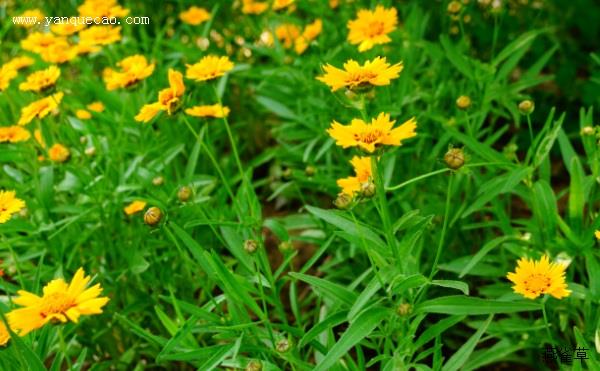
x=368 y=136
x=371 y=28
x=356 y=77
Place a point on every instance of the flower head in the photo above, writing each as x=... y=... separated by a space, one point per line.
x=9 y=205
x=100 y=35
x=66 y=29
x=96 y=106
x=215 y=110
x=58 y=153
x=60 y=302
x=14 y=134
x=362 y=169
x=19 y=62
x=102 y=8
x=355 y=77
x=31 y=14
x=371 y=28
x=37 y=42
x=134 y=207
x=41 y=80
x=280 y=4
x=254 y=7
x=148 y=111
x=194 y=15
x=7 y=73
x=287 y=33
x=168 y=99
x=368 y=136
x=83 y=114
x=40 y=108
x=310 y=33
x=208 y=68
x=534 y=278
x=133 y=69
x=4 y=334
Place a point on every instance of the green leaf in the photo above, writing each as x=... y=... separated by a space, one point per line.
x=327 y=288
x=277 y=108
x=459 y=358
x=436 y=330
x=483 y=252
x=458 y=285
x=362 y=326
x=465 y=305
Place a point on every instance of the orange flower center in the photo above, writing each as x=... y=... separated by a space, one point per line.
x=537 y=283
x=376 y=28
x=368 y=137
x=56 y=303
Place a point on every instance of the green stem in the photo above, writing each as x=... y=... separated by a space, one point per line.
x=383 y=206
x=444 y=228
x=530 y=128
x=231 y=140
x=550 y=337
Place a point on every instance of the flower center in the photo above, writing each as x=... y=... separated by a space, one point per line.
x=56 y=303
x=368 y=137
x=376 y=28
x=537 y=283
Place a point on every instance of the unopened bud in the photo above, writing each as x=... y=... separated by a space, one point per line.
x=250 y=246
x=283 y=345
x=254 y=365
x=404 y=309
x=463 y=102
x=587 y=131
x=526 y=107
x=454 y=7
x=152 y=216
x=455 y=158
x=286 y=246
x=309 y=171
x=343 y=201
x=90 y=151
x=367 y=189
x=159 y=180
x=184 y=193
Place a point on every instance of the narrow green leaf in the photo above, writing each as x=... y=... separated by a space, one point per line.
x=459 y=358
x=465 y=305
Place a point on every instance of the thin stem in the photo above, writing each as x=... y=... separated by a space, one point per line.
x=550 y=337
x=383 y=206
x=231 y=140
x=530 y=128
x=444 y=228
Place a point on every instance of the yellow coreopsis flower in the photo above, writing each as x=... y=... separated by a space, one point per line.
x=19 y=62
x=60 y=302
x=362 y=169
x=280 y=4
x=31 y=14
x=310 y=33
x=356 y=77
x=168 y=99
x=597 y=234
x=287 y=34
x=40 y=108
x=9 y=205
x=7 y=74
x=133 y=69
x=194 y=16
x=215 y=110
x=369 y=136
x=14 y=134
x=254 y=7
x=37 y=42
x=58 y=153
x=66 y=29
x=102 y=8
x=4 y=335
x=96 y=107
x=534 y=278
x=209 y=67
x=134 y=207
x=40 y=80
x=83 y=114
x=371 y=28
x=100 y=35
x=59 y=53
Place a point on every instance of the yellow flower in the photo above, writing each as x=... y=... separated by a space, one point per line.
x=354 y=76
x=597 y=234
x=371 y=28
x=14 y=134
x=20 y=62
x=9 y=205
x=31 y=13
x=310 y=33
x=60 y=302
x=133 y=69
x=41 y=80
x=194 y=16
x=287 y=33
x=37 y=42
x=66 y=29
x=7 y=73
x=134 y=207
x=96 y=106
x=102 y=8
x=534 y=278
x=362 y=169
x=59 y=52
x=100 y=35
x=168 y=99
x=334 y=3
x=4 y=335
x=254 y=7
x=209 y=67
x=215 y=110
x=83 y=114
x=58 y=153
x=280 y=4
x=368 y=136
x=40 y=108
x=37 y=134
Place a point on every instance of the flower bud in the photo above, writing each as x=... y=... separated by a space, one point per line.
x=309 y=171
x=254 y=365
x=184 y=193
x=343 y=201
x=159 y=180
x=587 y=131
x=287 y=173
x=526 y=107
x=404 y=309
x=463 y=102
x=286 y=246
x=283 y=345
x=454 y=7
x=250 y=246
x=367 y=189
x=152 y=216
x=90 y=151
x=454 y=158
